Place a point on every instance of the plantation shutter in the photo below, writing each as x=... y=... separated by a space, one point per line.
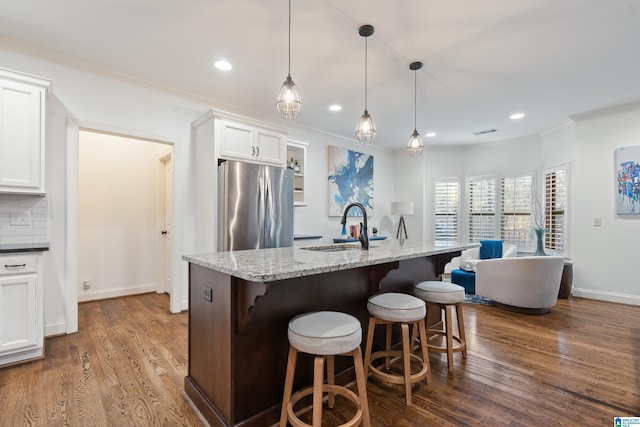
x=555 y=200
x=481 y=193
x=446 y=194
x=515 y=205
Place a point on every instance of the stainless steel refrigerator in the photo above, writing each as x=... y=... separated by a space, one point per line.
x=255 y=206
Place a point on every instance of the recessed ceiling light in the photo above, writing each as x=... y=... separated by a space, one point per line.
x=222 y=65
x=335 y=107
x=516 y=116
x=430 y=134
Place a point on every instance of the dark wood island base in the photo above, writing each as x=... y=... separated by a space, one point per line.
x=238 y=332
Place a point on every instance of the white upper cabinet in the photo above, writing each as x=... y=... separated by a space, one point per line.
x=240 y=141
x=271 y=146
x=22 y=132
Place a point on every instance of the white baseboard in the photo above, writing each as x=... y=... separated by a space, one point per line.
x=116 y=292
x=606 y=296
x=56 y=328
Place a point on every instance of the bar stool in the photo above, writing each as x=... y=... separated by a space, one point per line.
x=324 y=334
x=445 y=296
x=389 y=309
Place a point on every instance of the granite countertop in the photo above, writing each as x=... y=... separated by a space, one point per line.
x=265 y=265
x=23 y=247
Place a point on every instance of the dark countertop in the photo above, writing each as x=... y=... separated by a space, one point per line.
x=351 y=239
x=23 y=247
x=306 y=237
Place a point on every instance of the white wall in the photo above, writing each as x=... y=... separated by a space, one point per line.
x=604 y=257
x=118 y=198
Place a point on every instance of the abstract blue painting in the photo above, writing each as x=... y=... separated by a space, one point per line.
x=628 y=180
x=350 y=180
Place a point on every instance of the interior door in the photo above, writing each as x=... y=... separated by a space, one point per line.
x=168 y=224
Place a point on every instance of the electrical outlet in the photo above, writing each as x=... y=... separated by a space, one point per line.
x=22 y=218
x=597 y=222
x=86 y=284
x=207 y=294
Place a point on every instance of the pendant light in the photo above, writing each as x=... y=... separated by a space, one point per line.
x=366 y=129
x=289 y=102
x=415 y=146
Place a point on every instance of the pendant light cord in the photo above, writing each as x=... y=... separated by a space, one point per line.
x=415 y=97
x=289 y=71
x=366 y=51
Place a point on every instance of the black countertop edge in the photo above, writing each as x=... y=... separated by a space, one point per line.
x=306 y=237
x=23 y=247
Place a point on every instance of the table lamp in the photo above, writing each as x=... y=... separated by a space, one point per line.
x=401 y=208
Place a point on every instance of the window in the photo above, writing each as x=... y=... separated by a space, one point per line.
x=515 y=210
x=446 y=201
x=481 y=193
x=555 y=202
x=501 y=212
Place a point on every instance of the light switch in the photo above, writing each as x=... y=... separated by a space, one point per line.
x=597 y=221
x=22 y=218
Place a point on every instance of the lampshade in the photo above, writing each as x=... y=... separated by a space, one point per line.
x=415 y=146
x=289 y=101
x=402 y=208
x=366 y=129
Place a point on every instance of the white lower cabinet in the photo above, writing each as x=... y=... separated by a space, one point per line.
x=21 y=308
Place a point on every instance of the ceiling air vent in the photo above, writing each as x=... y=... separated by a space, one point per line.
x=484 y=132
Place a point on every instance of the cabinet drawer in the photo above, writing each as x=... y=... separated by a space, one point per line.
x=17 y=265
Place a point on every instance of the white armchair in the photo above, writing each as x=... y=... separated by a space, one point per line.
x=529 y=284
x=473 y=254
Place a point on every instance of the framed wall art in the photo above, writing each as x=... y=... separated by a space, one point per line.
x=627 y=175
x=350 y=180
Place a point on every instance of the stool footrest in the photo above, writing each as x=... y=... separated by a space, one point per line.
x=397 y=378
x=458 y=345
x=326 y=388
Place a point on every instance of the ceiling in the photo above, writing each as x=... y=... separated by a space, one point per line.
x=483 y=60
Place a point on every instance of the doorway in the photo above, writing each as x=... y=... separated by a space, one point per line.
x=125 y=205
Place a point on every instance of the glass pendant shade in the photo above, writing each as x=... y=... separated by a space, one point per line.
x=415 y=146
x=366 y=129
x=289 y=101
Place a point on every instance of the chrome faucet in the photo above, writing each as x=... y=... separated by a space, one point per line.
x=363 y=235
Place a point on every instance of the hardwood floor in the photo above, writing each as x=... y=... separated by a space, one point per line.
x=578 y=365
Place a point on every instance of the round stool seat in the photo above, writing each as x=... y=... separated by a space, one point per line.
x=440 y=292
x=395 y=307
x=325 y=333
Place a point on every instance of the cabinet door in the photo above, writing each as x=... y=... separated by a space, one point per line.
x=18 y=313
x=271 y=147
x=236 y=140
x=21 y=137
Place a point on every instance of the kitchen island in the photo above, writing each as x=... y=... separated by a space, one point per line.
x=240 y=304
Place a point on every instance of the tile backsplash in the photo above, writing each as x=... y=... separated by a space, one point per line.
x=23 y=219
